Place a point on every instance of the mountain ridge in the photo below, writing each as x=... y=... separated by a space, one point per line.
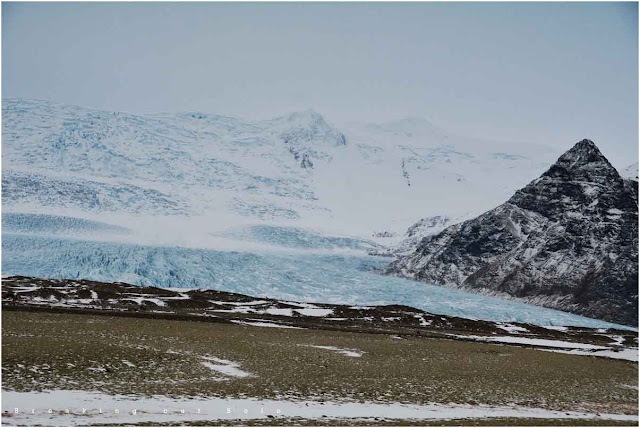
x=293 y=168
x=567 y=240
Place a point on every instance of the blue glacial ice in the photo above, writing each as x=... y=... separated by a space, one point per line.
x=46 y=224
x=294 y=275
x=293 y=237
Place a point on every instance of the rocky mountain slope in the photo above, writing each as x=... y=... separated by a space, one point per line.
x=432 y=225
x=568 y=240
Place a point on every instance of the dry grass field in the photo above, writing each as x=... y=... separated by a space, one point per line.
x=146 y=357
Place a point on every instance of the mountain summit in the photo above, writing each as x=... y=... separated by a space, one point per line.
x=568 y=240
x=583 y=162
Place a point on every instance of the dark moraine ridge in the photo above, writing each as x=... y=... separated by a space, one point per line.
x=20 y=293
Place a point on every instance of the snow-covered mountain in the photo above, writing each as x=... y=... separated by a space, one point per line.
x=295 y=170
x=409 y=242
x=568 y=240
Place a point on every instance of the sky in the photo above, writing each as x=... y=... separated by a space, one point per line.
x=550 y=73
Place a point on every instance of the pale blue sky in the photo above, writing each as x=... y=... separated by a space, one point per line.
x=535 y=72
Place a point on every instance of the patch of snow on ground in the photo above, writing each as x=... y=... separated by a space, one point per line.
x=617 y=340
x=159 y=409
x=237 y=310
x=265 y=324
x=26 y=289
x=534 y=342
x=254 y=303
x=629 y=354
x=278 y=311
x=180 y=297
x=562 y=328
x=140 y=300
x=422 y=321
x=226 y=367
x=348 y=352
x=314 y=312
x=513 y=329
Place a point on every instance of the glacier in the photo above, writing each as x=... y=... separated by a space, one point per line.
x=347 y=277
x=47 y=224
x=298 y=169
x=287 y=207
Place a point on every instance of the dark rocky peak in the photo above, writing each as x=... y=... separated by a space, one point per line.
x=581 y=179
x=583 y=162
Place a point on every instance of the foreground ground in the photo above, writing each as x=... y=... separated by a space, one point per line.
x=310 y=375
